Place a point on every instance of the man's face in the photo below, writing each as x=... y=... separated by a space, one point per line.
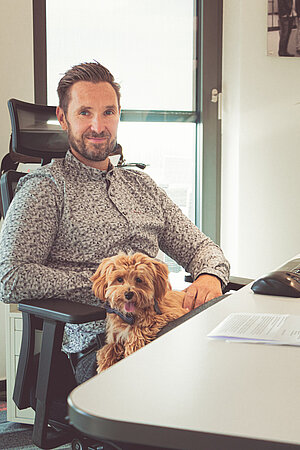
x=91 y=121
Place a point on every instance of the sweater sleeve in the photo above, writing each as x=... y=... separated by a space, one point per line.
x=26 y=239
x=188 y=246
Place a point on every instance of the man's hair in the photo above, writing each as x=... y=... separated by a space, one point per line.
x=93 y=72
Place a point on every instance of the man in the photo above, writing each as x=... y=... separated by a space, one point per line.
x=69 y=215
x=286 y=14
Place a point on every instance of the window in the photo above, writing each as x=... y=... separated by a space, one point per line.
x=147 y=44
x=155 y=50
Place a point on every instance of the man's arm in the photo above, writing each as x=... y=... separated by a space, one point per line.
x=27 y=236
x=194 y=251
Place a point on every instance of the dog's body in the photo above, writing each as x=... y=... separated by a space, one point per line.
x=137 y=288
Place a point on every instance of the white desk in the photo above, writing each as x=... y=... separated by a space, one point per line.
x=185 y=391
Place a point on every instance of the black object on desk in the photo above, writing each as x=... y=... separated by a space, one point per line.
x=284 y=282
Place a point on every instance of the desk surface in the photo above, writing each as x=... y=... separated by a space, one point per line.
x=184 y=390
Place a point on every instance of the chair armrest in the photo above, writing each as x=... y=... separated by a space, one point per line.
x=62 y=310
x=236 y=283
x=49 y=315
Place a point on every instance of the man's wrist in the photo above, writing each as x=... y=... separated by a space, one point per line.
x=209 y=274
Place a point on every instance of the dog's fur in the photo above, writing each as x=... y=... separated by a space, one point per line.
x=142 y=279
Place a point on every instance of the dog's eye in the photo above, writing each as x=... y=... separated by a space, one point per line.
x=120 y=280
x=138 y=280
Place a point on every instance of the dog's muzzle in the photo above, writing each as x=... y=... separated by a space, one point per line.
x=129 y=295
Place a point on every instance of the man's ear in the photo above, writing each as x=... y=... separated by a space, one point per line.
x=61 y=118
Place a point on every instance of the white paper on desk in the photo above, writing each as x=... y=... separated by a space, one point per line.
x=280 y=329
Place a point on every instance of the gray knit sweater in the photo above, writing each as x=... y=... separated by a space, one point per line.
x=66 y=217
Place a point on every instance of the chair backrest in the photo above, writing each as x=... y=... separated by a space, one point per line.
x=36 y=137
x=36 y=131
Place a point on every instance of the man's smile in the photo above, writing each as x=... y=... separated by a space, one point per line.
x=96 y=139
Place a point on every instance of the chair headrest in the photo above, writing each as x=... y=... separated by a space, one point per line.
x=36 y=131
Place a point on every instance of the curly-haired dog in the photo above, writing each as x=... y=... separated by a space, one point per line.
x=139 y=302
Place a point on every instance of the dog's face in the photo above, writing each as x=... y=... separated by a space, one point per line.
x=130 y=283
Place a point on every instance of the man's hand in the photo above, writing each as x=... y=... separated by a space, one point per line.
x=205 y=288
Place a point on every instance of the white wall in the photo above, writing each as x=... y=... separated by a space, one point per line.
x=261 y=145
x=16 y=68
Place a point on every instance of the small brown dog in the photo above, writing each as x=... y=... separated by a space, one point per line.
x=139 y=302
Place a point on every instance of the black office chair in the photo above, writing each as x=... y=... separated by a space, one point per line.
x=43 y=382
x=37 y=134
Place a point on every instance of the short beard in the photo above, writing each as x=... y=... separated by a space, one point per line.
x=101 y=151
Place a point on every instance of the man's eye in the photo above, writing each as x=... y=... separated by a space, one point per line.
x=120 y=280
x=109 y=112
x=83 y=113
x=138 y=280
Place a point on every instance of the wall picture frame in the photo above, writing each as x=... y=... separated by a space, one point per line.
x=283 y=28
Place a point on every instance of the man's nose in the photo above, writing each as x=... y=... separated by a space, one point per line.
x=98 y=124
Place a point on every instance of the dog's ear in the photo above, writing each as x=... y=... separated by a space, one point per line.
x=99 y=278
x=161 y=282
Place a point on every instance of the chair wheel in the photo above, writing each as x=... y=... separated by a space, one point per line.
x=77 y=444
x=85 y=444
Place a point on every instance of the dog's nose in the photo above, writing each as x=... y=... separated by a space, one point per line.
x=128 y=295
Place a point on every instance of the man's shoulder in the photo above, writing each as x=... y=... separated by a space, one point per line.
x=52 y=173
x=134 y=175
